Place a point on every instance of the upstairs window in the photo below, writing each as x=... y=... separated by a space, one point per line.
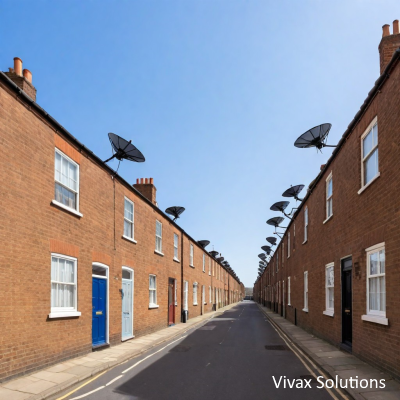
x=369 y=144
x=209 y=266
x=158 y=237
x=305 y=224
x=176 y=238
x=191 y=255
x=288 y=245
x=204 y=262
x=128 y=219
x=66 y=181
x=329 y=187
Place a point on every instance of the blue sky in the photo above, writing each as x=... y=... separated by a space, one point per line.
x=214 y=93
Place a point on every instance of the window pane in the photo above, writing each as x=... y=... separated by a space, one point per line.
x=373 y=293
x=375 y=134
x=373 y=264
x=64 y=196
x=371 y=166
x=128 y=210
x=367 y=144
x=152 y=282
x=72 y=182
x=58 y=166
x=330 y=298
x=126 y=274
x=382 y=261
x=54 y=269
x=382 y=294
x=329 y=194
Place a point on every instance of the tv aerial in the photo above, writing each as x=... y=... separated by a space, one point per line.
x=214 y=253
x=293 y=191
x=175 y=211
x=271 y=240
x=203 y=243
x=124 y=150
x=314 y=137
x=276 y=221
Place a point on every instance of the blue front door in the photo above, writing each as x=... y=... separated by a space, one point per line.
x=99 y=311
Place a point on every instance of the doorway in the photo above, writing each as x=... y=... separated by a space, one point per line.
x=171 y=301
x=99 y=304
x=347 y=319
x=127 y=303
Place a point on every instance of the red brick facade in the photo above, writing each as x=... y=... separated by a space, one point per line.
x=362 y=217
x=33 y=228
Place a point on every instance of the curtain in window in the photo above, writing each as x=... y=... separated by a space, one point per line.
x=62 y=283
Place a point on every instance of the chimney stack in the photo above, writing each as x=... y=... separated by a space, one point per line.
x=389 y=44
x=146 y=187
x=22 y=78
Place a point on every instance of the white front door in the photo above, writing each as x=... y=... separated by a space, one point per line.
x=127 y=303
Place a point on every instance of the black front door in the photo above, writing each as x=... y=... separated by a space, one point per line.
x=347 y=331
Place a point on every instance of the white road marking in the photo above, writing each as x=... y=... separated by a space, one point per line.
x=115 y=379
x=87 y=394
x=151 y=355
x=208 y=364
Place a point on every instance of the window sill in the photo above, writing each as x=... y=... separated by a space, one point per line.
x=369 y=183
x=65 y=314
x=195 y=304
x=204 y=271
x=328 y=219
x=159 y=253
x=375 y=318
x=176 y=260
x=190 y=265
x=305 y=310
x=129 y=239
x=305 y=242
x=66 y=208
x=209 y=274
x=329 y=313
x=153 y=306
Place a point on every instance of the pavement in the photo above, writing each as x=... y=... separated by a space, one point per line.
x=334 y=362
x=59 y=377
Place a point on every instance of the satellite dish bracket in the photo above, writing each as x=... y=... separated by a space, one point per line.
x=119 y=153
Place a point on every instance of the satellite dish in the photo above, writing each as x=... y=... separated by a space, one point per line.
x=276 y=221
x=214 y=253
x=124 y=150
x=203 y=243
x=293 y=191
x=262 y=256
x=314 y=137
x=266 y=248
x=175 y=211
x=220 y=259
x=281 y=206
x=271 y=240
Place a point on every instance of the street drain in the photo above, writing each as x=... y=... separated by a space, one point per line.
x=179 y=349
x=276 y=347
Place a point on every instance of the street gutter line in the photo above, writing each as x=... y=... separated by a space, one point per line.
x=296 y=351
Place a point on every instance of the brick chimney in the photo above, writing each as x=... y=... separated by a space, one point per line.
x=389 y=44
x=147 y=188
x=22 y=78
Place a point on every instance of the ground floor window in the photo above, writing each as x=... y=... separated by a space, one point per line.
x=329 y=289
x=195 y=294
x=305 y=291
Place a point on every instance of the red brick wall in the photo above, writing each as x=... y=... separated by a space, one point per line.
x=359 y=221
x=32 y=228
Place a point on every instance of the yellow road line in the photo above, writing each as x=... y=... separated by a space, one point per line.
x=80 y=387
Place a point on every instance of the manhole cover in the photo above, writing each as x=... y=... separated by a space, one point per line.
x=179 y=349
x=276 y=347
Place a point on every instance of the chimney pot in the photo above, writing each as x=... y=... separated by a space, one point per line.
x=137 y=181
x=396 y=27
x=18 y=66
x=141 y=181
x=27 y=75
x=151 y=181
x=385 y=30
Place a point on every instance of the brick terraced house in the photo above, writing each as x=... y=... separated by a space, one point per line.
x=87 y=259
x=336 y=271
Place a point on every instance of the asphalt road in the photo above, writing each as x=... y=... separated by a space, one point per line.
x=226 y=358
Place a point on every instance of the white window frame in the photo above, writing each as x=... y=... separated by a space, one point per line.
x=130 y=238
x=176 y=247
x=363 y=159
x=153 y=305
x=195 y=287
x=288 y=245
x=305 y=225
x=185 y=295
x=209 y=266
x=377 y=316
x=305 y=294
x=329 y=310
x=62 y=312
x=159 y=250
x=329 y=198
x=289 y=303
x=191 y=255
x=76 y=192
x=204 y=294
x=204 y=262
x=176 y=291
